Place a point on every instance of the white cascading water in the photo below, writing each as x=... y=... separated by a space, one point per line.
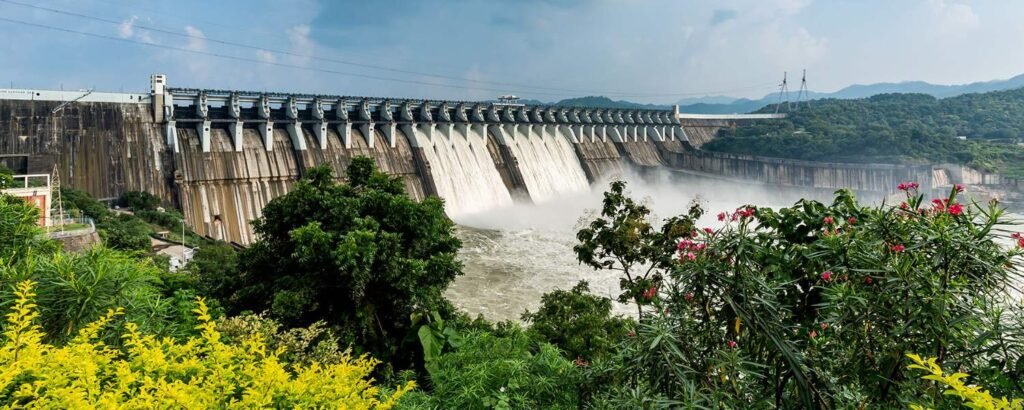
x=548 y=163
x=464 y=173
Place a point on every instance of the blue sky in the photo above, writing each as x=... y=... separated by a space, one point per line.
x=642 y=50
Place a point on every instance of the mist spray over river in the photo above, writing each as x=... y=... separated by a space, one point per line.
x=515 y=254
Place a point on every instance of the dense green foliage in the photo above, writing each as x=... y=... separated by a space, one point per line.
x=139 y=201
x=125 y=232
x=84 y=203
x=18 y=229
x=892 y=128
x=362 y=256
x=6 y=177
x=578 y=322
x=811 y=306
x=502 y=372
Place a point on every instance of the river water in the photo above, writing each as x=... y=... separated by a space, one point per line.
x=515 y=254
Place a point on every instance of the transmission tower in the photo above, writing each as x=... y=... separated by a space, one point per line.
x=783 y=89
x=802 y=95
x=55 y=193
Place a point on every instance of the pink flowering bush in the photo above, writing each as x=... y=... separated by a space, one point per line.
x=810 y=306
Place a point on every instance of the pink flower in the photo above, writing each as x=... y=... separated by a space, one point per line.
x=1020 y=243
x=691 y=256
x=688 y=296
x=959 y=187
x=650 y=293
x=710 y=231
x=902 y=186
x=721 y=216
x=867 y=280
x=897 y=248
x=914 y=185
x=813 y=334
x=581 y=363
x=699 y=247
x=851 y=220
x=824 y=325
x=684 y=244
x=956 y=209
x=828 y=220
x=903 y=205
x=632 y=333
x=735 y=217
x=826 y=276
x=732 y=344
x=1015 y=235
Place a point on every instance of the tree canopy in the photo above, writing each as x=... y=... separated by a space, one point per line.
x=363 y=256
x=893 y=128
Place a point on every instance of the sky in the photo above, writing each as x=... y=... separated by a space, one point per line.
x=653 y=51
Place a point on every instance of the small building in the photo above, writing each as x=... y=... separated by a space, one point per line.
x=36 y=189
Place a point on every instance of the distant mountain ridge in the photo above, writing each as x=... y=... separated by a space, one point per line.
x=720 y=104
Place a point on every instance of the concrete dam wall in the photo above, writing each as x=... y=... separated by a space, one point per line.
x=221 y=156
x=103 y=148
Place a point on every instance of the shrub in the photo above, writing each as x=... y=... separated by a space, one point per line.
x=19 y=231
x=125 y=232
x=6 y=177
x=814 y=304
x=578 y=322
x=203 y=372
x=488 y=371
x=78 y=288
x=139 y=201
x=170 y=219
x=81 y=200
x=305 y=346
x=972 y=396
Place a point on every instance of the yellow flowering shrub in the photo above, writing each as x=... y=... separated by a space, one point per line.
x=974 y=397
x=200 y=373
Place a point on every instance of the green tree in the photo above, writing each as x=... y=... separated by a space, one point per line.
x=216 y=268
x=125 y=232
x=362 y=256
x=578 y=322
x=139 y=201
x=81 y=200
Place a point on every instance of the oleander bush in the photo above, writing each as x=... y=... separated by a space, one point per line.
x=809 y=306
x=200 y=373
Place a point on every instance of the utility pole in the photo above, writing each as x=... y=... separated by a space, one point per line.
x=783 y=89
x=803 y=93
x=55 y=192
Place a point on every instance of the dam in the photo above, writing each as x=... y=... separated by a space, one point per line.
x=221 y=155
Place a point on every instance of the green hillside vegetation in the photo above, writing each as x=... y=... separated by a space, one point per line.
x=893 y=128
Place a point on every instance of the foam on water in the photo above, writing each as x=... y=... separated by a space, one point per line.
x=548 y=164
x=464 y=173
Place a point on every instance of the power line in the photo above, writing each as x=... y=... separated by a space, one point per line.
x=313 y=69
x=521 y=87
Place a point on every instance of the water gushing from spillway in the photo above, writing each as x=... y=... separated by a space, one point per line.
x=463 y=171
x=548 y=163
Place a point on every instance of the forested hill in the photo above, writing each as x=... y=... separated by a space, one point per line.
x=893 y=128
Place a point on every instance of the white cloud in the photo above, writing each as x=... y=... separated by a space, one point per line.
x=196 y=40
x=266 y=56
x=198 y=65
x=128 y=30
x=301 y=44
x=950 y=17
x=127 y=27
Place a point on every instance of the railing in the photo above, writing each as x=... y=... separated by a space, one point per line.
x=62 y=228
x=30 y=181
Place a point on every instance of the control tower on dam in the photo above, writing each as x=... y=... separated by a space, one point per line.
x=222 y=155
